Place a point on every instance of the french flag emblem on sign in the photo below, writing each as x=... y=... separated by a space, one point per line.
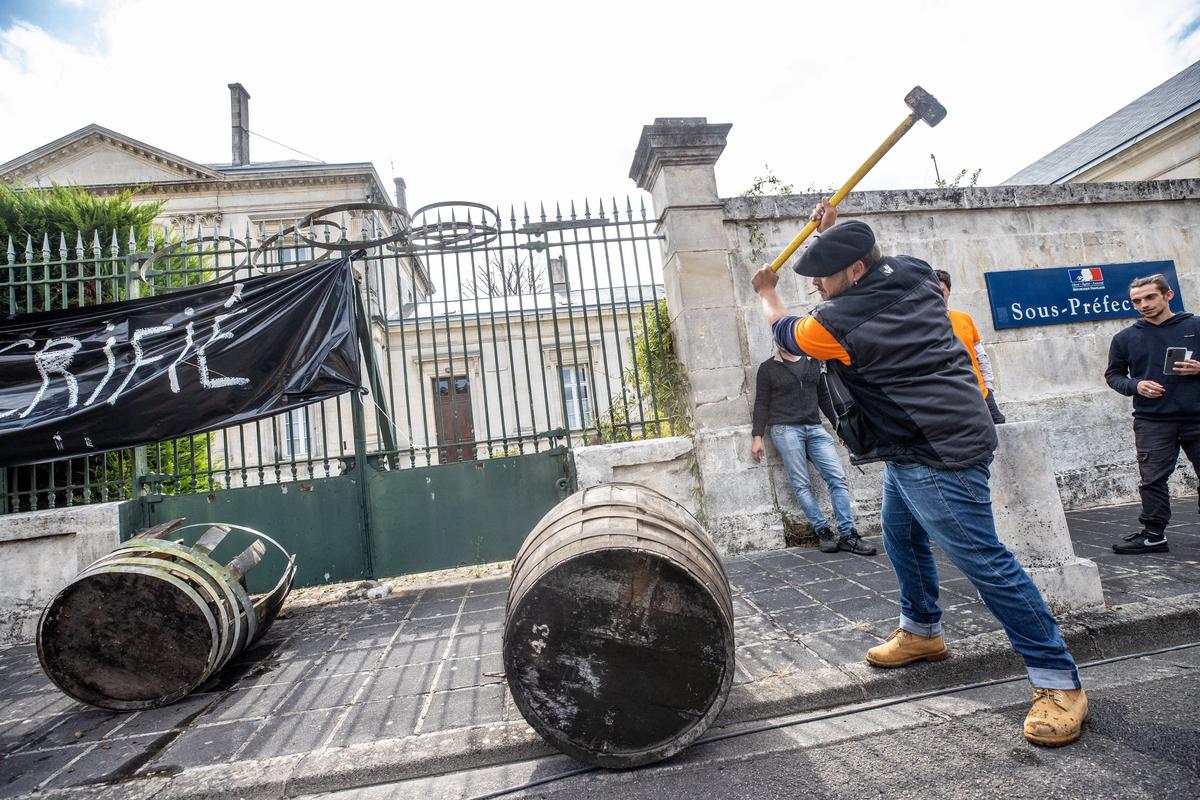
x=1086 y=275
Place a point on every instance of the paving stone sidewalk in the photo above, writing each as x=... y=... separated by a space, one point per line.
x=428 y=660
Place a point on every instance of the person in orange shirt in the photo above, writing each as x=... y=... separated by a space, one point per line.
x=968 y=334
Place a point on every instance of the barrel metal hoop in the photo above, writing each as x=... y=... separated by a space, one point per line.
x=273 y=598
x=576 y=516
x=696 y=557
x=582 y=506
x=237 y=595
x=596 y=513
x=553 y=560
x=238 y=598
x=627 y=539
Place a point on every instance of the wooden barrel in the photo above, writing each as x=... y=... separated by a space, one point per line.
x=152 y=620
x=618 y=636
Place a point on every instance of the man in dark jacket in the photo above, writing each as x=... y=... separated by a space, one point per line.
x=917 y=407
x=1166 y=401
x=785 y=400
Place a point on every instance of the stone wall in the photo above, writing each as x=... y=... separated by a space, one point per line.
x=1052 y=373
x=40 y=552
x=667 y=466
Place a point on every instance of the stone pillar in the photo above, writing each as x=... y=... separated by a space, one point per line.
x=1031 y=522
x=674 y=161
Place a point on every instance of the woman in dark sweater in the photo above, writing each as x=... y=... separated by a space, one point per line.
x=786 y=402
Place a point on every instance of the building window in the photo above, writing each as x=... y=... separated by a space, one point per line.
x=577 y=396
x=295 y=433
x=289 y=250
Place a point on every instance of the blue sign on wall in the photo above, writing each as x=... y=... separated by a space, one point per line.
x=1024 y=297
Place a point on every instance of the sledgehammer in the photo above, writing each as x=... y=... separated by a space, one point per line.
x=924 y=106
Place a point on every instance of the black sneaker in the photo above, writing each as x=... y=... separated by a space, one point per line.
x=852 y=543
x=826 y=540
x=1142 y=542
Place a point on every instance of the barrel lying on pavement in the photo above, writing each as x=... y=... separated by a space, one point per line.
x=618 y=637
x=152 y=620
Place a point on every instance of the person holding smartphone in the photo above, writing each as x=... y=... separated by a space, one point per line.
x=1151 y=361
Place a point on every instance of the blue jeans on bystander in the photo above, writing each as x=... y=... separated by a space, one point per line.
x=799 y=444
x=953 y=507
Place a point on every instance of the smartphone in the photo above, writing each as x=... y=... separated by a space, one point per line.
x=1174 y=354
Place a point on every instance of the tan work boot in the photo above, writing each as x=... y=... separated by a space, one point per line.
x=903 y=648
x=1056 y=717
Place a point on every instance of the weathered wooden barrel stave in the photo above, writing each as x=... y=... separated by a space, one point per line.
x=618 y=641
x=149 y=622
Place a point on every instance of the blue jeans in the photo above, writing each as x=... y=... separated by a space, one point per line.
x=799 y=444
x=954 y=509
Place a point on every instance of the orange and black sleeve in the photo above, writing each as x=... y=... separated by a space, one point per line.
x=806 y=336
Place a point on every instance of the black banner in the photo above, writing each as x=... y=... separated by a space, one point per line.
x=97 y=378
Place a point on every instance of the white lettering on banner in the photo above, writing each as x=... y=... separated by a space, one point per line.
x=138 y=360
x=189 y=342
x=28 y=343
x=112 y=365
x=217 y=335
x=57 y=354
x=235 y=296
x=48 y=361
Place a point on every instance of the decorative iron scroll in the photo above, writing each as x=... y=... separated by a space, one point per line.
x=436 y=231
x=454 y=226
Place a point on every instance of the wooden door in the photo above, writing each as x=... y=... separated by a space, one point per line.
x=452 y=412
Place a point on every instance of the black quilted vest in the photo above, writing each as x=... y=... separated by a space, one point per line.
x=916 y=397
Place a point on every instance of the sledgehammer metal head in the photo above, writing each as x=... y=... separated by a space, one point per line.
x=924 y=106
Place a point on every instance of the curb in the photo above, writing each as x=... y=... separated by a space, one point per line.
x=1091 y=635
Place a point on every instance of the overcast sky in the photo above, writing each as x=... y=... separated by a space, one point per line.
x=500 y=102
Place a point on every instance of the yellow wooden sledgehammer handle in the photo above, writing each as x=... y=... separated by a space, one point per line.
x=879 y=153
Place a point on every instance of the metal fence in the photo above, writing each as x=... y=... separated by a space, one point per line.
x=489 y=335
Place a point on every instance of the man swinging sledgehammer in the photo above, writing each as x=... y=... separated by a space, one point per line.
x=917 y=407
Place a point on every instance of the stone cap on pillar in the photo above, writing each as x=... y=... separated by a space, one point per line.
x=674 y=141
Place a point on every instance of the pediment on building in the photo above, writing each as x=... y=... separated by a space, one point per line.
x=96 y=156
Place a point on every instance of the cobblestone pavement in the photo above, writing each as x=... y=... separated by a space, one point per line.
x=428 y=660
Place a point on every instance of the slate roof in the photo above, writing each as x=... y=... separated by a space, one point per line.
x=1151 y=112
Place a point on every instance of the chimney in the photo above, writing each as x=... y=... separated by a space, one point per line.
x=239 y=109
x=401 y=194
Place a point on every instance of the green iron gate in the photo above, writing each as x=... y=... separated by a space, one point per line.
x=376 y=523
x=491 y=347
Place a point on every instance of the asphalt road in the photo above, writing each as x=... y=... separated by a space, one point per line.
x=1141 y=741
